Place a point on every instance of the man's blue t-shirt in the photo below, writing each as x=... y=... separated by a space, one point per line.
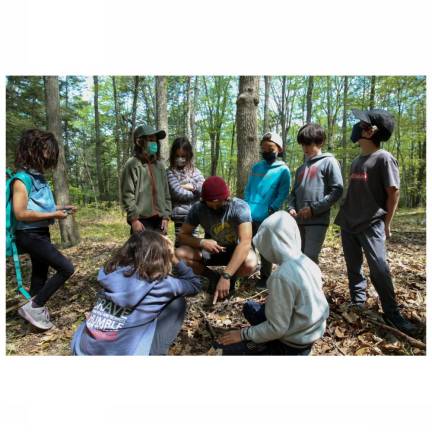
x=220 y=225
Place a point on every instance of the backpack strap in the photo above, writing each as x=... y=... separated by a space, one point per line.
x=18 y=274
x=27 y=180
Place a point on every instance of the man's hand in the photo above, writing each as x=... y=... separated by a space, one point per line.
x=137 y=226
x=222 y=289
x=230 y=337
x=387 y=230
x=293 y=213
x=212 y=246
x=305 y=213
x=164 y=226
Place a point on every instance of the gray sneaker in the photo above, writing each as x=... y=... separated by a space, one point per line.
x=37 y=316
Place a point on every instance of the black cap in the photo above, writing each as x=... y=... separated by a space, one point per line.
x=382 y=119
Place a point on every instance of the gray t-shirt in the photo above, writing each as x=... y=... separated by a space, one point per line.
x=221 y=225
x=366 y=198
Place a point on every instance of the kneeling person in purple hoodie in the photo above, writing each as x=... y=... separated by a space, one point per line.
x=141 y=308
x=318 y=185
x=295 y=313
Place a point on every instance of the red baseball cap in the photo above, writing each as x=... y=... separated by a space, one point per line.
x=214 y=188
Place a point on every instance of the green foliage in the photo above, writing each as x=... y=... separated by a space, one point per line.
x=404 y=96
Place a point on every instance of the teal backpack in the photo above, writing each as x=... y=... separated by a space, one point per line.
x=11 y=249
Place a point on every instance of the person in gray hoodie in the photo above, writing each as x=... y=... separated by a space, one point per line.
x=295 y=313
x=318 y=185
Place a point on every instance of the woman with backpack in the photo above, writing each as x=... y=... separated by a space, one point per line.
x=34 y=212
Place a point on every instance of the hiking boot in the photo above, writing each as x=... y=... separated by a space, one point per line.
x=37 y=316
x=261 y=284
x=357 y=306
x=399 y=322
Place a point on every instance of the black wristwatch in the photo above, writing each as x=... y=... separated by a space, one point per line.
x=226 y=275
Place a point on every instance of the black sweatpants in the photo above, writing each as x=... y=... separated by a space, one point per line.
x=43 y=254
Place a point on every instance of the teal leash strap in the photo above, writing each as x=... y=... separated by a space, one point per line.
x=18 y=272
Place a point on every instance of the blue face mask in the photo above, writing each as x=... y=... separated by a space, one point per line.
x=152 y=148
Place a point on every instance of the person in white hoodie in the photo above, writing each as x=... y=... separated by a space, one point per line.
x=295 y=313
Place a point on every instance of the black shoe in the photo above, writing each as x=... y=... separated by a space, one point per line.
x=357 y=306
x=261 y=283
x=399 y=322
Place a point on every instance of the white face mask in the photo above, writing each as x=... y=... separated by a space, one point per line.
x=180 y=162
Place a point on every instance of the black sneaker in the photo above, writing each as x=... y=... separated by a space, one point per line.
x=357 y=306
x=261 y=284
x=399 y=322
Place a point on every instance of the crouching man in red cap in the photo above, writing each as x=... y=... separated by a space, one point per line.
x=227 y=224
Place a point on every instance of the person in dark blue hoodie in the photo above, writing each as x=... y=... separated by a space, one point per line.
x=141 y=308
x=318 y=185
x=267 y=188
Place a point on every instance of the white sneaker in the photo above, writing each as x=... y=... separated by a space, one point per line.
x=37 y=316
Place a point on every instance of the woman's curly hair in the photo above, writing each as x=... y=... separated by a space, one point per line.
x=37 y=149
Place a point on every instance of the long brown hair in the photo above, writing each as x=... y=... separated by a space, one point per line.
x=37 y=149
x=147 y=253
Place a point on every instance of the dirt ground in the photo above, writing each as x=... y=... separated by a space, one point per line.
x=348 y=333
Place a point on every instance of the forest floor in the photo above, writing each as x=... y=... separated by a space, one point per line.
x=348 y=332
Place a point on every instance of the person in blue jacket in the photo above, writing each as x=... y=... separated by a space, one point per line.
x=141 y=307
x=267 y=188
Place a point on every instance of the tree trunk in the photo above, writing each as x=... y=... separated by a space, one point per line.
x=309 y=99
x=133 y=119
x=372 y=93
x=192 y=113
x=344 y=128
x=246 y=122
x=68 y=228
x=162 y=113
x=329 y=115
x=117 y=138
x=189 y=104
x=99 y=173
x=231 y=167
x=266 y=125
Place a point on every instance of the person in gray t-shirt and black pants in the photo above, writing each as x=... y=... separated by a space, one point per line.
x=366 y=214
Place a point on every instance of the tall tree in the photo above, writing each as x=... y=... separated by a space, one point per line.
x=189 y=104
x=68 y=228
x=372 y=92
x=117 y=137
x=309 y=99
x=162 y=113
x=193 y=113
x=247 y=129
x=333 y=99
x=344 y=128
x=132 y=121
x=98 y=153
x=267 y=81
x=216 y=100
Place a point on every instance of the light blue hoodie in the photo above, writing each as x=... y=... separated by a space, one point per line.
x=123 y=320
x=267 y=188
